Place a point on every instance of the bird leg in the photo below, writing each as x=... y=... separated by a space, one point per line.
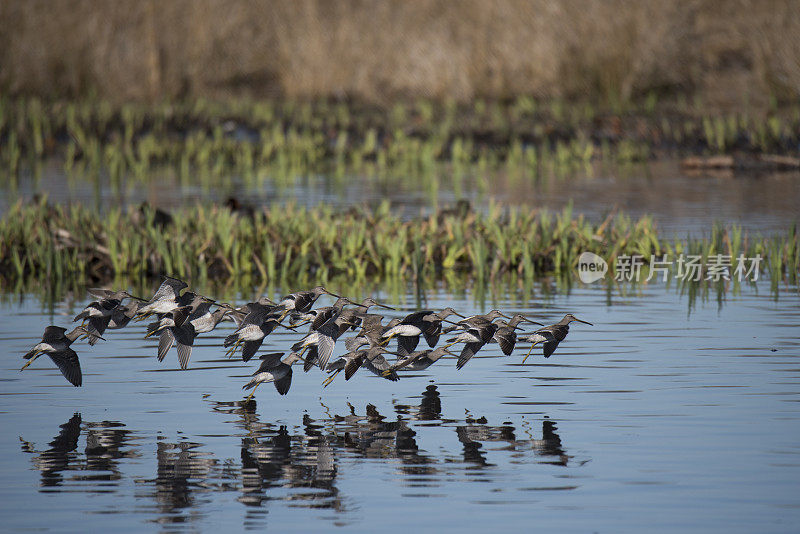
x=252 y=393
x=301 y=323
x=529 y=353
x=231 y=350
x=330 y=378
x=154 y=332
x=450 y=345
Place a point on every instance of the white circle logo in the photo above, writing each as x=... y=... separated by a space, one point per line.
x=591 y=267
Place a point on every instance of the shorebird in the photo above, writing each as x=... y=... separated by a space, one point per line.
x=273 y=369
x=323 y=314
x=371 y=331
x=119 y=318
x=200 y=321
x=319 y=343
x=552 y=335
x=238 y=314
x=165 y=327
x=301 y=301
x=56 y=344
x=425 y=322
x=165 y=299
x=475 y=338
x=476 y=320
x=258 y=324
x=421 y=359
x=105 y=306
x=506 y=334
x=371 y=358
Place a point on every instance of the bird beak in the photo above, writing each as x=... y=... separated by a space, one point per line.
x=134 y=297
x=533 y=322
x=384 y=306
x=584 y=322
x=333 y=294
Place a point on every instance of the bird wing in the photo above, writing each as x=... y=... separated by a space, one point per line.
x=560 y=331
x=467 y=353
x=353 y=343
x=549 y=347
x=97 y=325
x=165 y=291
x=416 y=318
x=507 y=339
x=432 y=332
x=354 y=364
x=324 y=350
x=407 y=344
x=185 y=334
x=184 y=337
x=69 y=365
x=378 y=365
x=270 y=360
x=53 y=333
x=165 y=341
x=322 y=316
x=249 y=349
x=311 y=358
x=283 y=383
x=184 y=353
x=101 y=293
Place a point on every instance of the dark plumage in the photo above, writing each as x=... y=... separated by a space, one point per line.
x=273 y=369
x=506 y=334
x=56 y=344
x=552 y=335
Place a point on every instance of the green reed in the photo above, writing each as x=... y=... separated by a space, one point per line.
x=54 y=242
x=210 y=140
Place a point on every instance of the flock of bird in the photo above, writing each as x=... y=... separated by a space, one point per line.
x=181 y=317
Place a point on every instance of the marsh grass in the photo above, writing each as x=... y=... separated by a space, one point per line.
x=208 y=142
x=63 y=243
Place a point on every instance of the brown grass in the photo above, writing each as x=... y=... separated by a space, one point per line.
x=726 y=52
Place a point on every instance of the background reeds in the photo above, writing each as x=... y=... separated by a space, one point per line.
x=57 y=242
x=726 y=53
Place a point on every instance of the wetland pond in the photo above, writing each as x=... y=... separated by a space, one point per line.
x=682 y=204
x=669 y=414
x=660 y=417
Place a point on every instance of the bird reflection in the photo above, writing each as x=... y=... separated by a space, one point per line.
x=106 y=443
x=183 y=469
x=61 y=455
x=298 y=465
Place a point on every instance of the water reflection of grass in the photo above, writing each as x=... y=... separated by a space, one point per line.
x=310 y=246
x=208 y=142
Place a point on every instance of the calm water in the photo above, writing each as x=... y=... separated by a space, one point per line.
x=681 y=203
x=652 y=419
